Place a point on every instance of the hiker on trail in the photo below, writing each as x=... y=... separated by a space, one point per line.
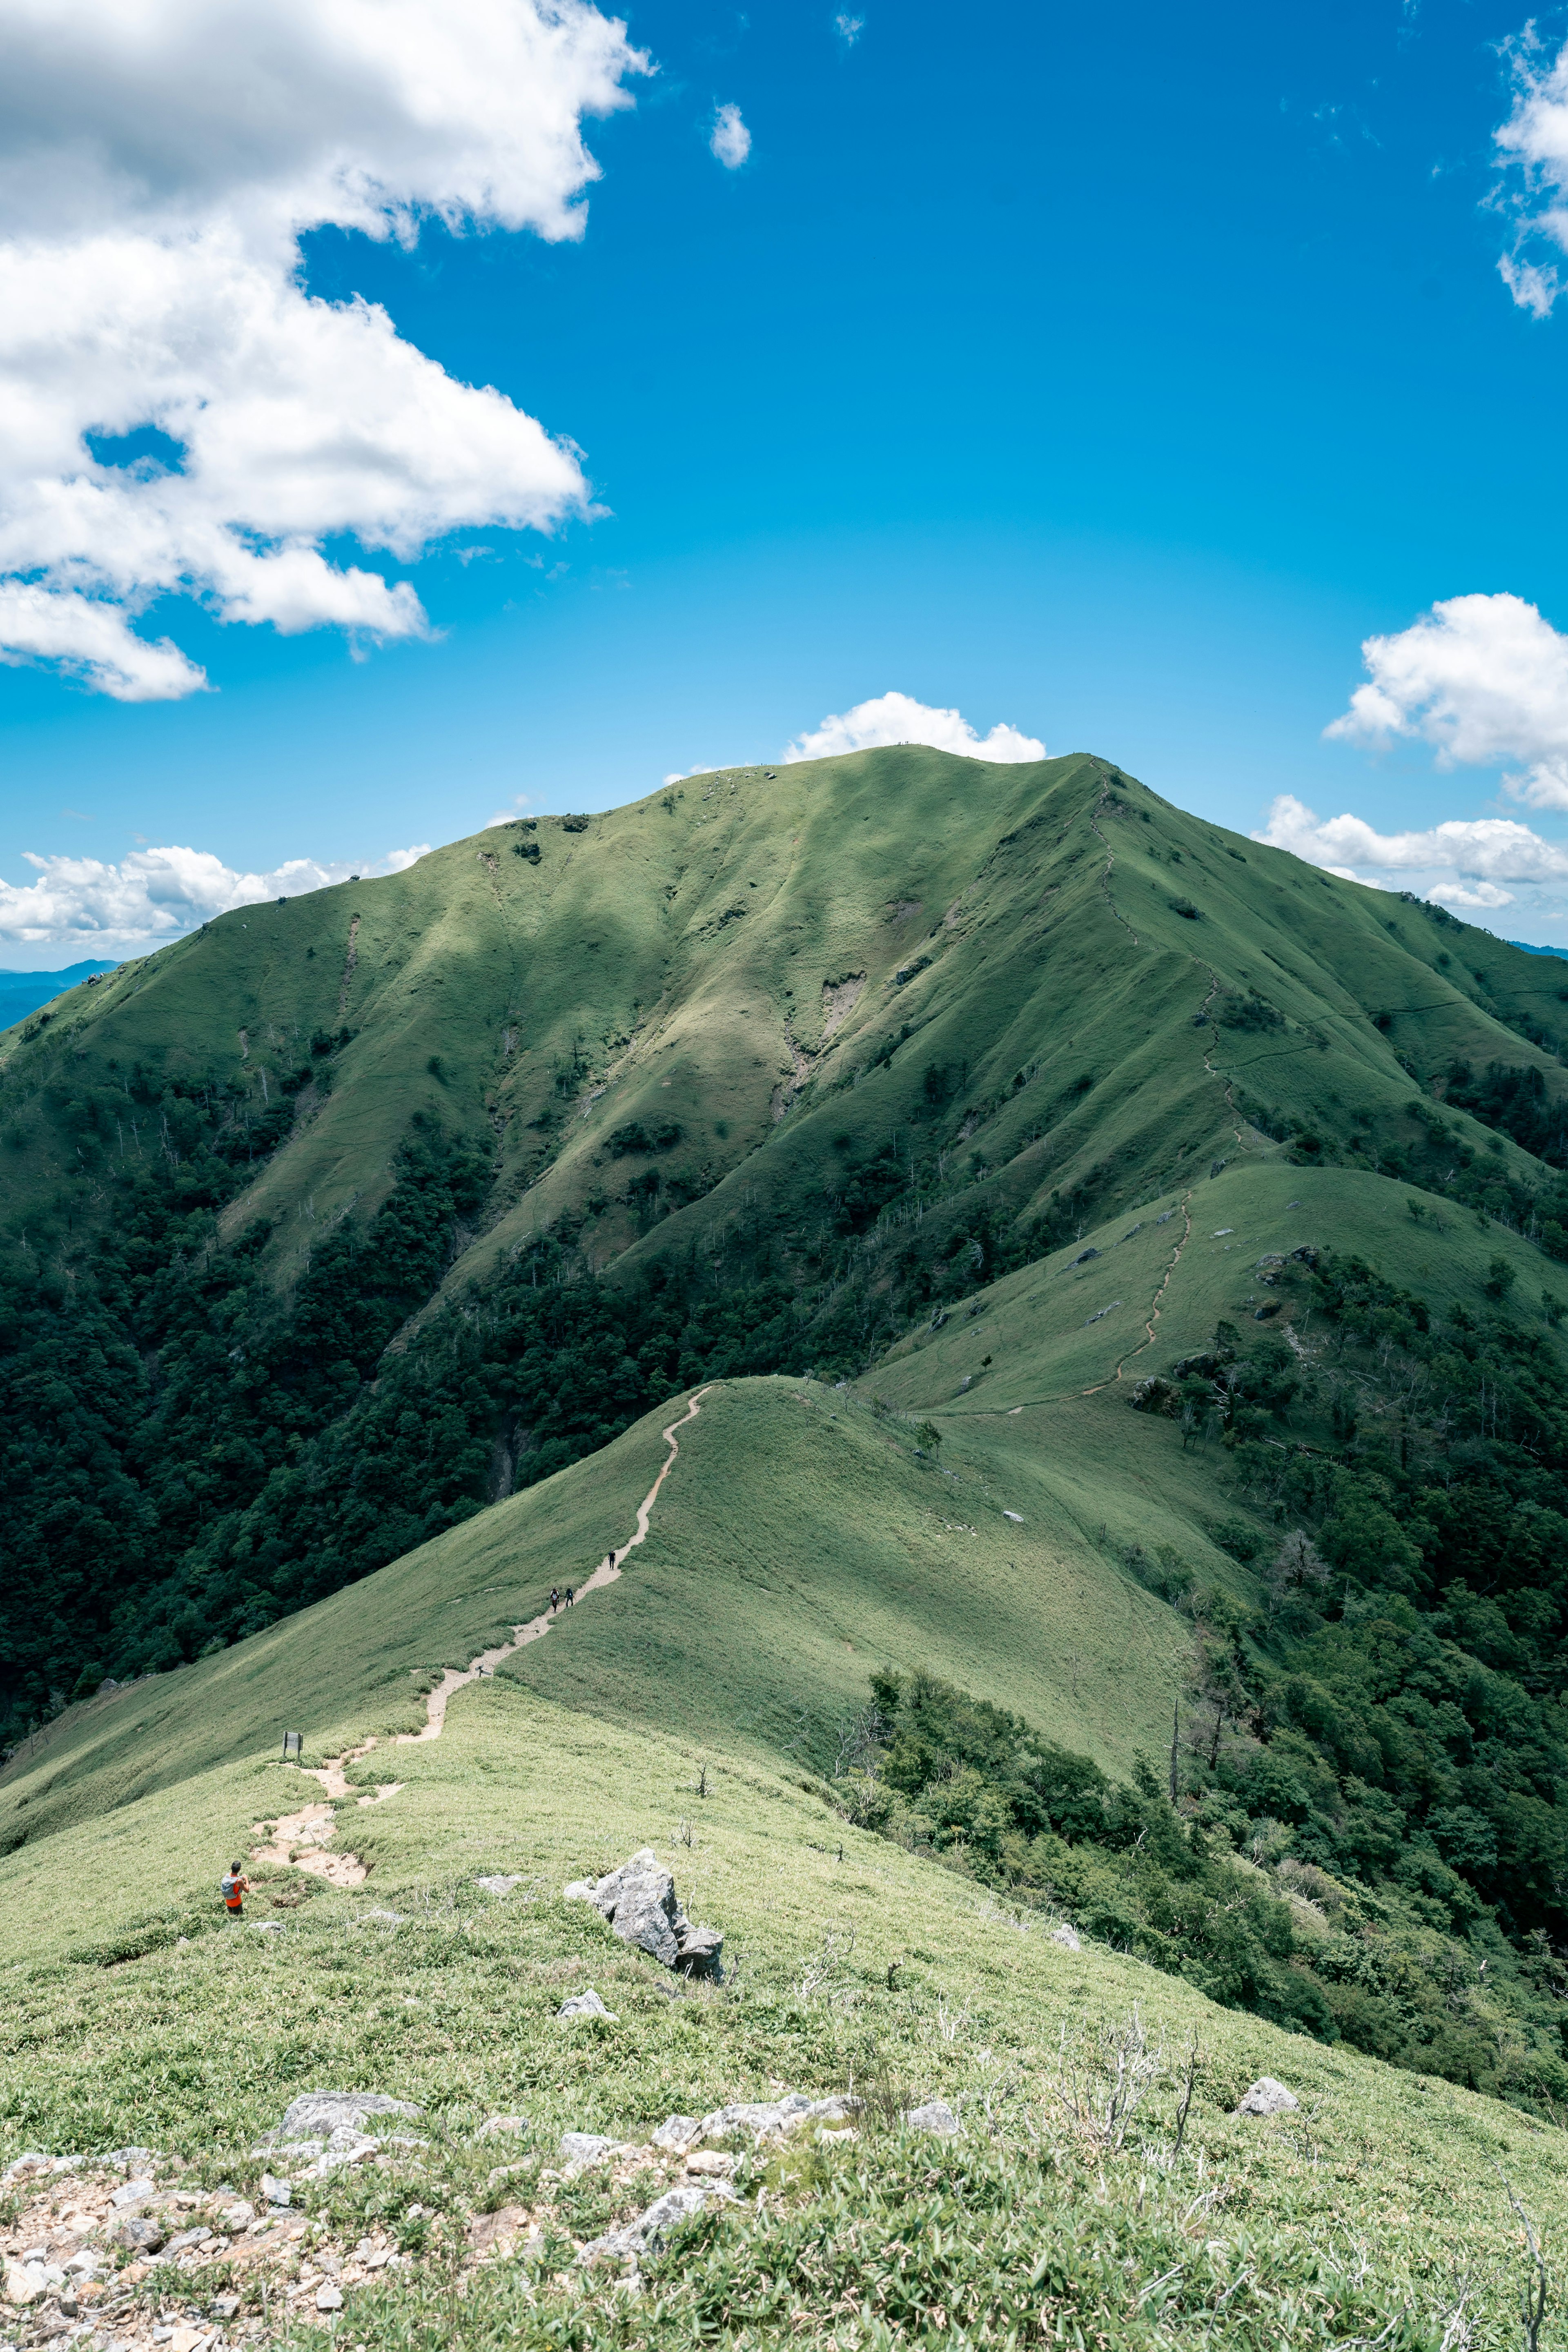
x=233 y=1887
x=571 y=1594
x=554 y=1599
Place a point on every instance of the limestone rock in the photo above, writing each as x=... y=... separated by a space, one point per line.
x=329 y=2297
x=936 y=2116
x=321 y=2112
x=710 y=2163
x=700 y=1952
x=774 y=2118
x=494 y=2124
x=585 y=2147
x=1068 y=1936
x=276 y=2191
x=497 y=1884
x=667 y=2212
x=587 y=2004
x=24 y=2283
x=1266 y=2097
x=638 y=1901
x=141 y=2233
x=678 y=2131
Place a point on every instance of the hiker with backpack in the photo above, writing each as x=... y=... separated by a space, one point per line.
x=234 y=1887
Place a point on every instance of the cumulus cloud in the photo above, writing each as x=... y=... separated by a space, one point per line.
x=848 y=28
x=1534 y=144
x=158 y=167
x=1484 y=679
x=732 y=141
x=155 y=895
x=900 y=719
x=1461 y=863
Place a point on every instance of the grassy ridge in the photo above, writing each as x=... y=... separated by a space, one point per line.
x=798 y=1544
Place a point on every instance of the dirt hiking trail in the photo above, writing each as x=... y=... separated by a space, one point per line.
x=607 y=1572
x=309 y=1831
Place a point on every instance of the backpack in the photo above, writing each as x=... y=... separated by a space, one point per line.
x=227 y=1888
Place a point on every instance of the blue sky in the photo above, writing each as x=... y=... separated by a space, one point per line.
x=1113 y=377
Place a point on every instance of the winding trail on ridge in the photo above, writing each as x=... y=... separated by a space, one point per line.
x=607 y=1572
x=313 y=1825
x=1148 y=1339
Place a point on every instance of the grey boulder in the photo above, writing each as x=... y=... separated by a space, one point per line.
x=1068 y=1936
x=936 y=2116
x=638 y=1900
x=1266 y=2097
x=585 y=2147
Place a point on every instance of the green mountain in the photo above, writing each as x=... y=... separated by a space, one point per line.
x=1120 y=1274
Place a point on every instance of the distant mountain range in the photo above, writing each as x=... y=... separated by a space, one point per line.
x=1525 y=948
x=22 y=992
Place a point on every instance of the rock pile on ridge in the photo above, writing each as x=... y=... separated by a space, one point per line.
x=638 y=1901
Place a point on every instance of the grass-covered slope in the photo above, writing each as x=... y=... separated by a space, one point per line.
x=850 y=1961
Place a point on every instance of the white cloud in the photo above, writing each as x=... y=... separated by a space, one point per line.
x=732 y=141
x=848 y=28
x=1533 y=143
x=155 y=895
x=1461 y=863
x=1482 y=678
x=900 y=719
x=158 y=165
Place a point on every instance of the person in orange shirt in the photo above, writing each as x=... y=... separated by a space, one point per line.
x=234 y=1888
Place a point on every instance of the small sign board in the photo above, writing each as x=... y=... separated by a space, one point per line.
x=293 y=1741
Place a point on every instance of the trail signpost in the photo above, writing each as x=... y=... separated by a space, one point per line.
x=293 y=1741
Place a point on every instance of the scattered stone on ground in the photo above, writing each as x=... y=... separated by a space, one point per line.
x=1266 y=2097
x=1068 y=1936
x=111 y=2254
x=936 y=2116
x=638 y=1900
x=587 y=2004
x=498 y=1885
x=586 y=2148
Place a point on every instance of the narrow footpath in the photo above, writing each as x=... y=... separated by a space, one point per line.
x=302 y=1837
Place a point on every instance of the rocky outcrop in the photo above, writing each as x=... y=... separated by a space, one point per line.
x=639 y=1902
x=316 y=2115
